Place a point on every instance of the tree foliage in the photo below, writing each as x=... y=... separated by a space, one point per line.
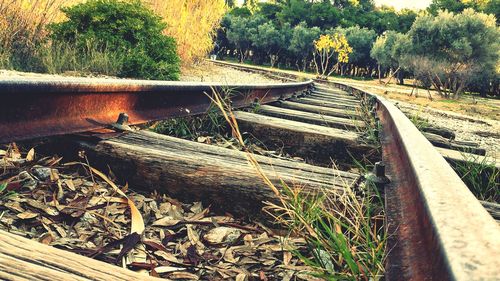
x=193 y=24
x=126 y=27
x=451 y=52
x=331 y=51
x=384 y=42
x=458 y=6
x=301 y=46
x=458 y=47
x=297 y=23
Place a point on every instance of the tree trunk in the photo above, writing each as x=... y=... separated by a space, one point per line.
x=379 y=75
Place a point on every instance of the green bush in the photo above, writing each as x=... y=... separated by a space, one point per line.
x=126 y=27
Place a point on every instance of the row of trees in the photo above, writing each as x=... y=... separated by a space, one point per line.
x=283 y=31
x=450 y=52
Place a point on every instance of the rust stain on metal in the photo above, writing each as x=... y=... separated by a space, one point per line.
x=437 y=229
x=415 y=255
x=44 y=108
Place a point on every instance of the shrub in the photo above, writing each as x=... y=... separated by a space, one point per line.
x=126 y=27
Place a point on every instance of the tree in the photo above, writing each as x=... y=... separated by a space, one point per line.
x=323 y=14
x=302 y=44
x=457 y=47
x=271 y=41
x=294 y=12
x=326 y=47
x=241 y=12
x=383 y=19
x=193 y=23
x=458 y=6
x=384 y=51
x=361 y=40
x=240 y=33
x=268 y=10
x=406 y=17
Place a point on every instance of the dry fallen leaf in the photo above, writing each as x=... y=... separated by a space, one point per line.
x=27 y=215
x=167 y=269
x=170 y=245
x=241 y=277
x=222 y=235
x=31 y=155
x=287 y=257
x=183 y=275
x=166 y=221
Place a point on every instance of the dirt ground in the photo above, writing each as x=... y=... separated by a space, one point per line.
x=208 y=72
x=471 y=118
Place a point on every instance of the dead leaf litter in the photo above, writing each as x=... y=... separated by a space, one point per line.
x=75 y=207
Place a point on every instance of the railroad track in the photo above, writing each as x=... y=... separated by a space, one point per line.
x=437 y=228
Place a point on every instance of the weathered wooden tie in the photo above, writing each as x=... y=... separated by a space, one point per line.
x=311 y=118
x=334 y=99
x=335 y=95
x=215 y=175
x=439 y=141
x=25 y=259
x=336 y=112
x=493 y=209
x=325 y=89
x=463 y=157
x=305 y=140
x=324 y=103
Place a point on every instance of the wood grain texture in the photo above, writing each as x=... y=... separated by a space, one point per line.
x=325 y=89
x=461 y=157
x=439 y=141
x=328 y=111
x=324 y=103
x=311 y=118
x=332 y=98
x=305 y=140
x=215 y=175
x=25 y=259
x=335 y=95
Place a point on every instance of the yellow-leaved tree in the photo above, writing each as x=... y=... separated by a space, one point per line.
x=193 y=24
x=325 y=48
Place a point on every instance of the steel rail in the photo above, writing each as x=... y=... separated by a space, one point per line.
x=437 y=229
x=32 y=108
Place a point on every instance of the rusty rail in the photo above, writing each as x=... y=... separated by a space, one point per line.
x=438 y=230
x=33 y=108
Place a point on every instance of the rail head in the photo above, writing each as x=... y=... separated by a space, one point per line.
x=39 y=107
x=20 y=84
x=438 y=230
